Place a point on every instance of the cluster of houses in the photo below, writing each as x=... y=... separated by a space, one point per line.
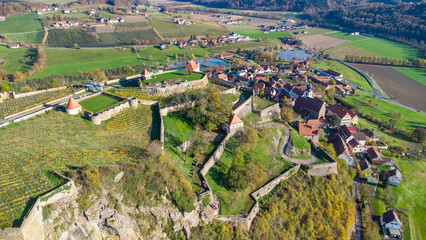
x=231 y=38
x=112 y=20
x=287 y=25
x=68 y=11
x=64 y=24
x=46 y=10
x=181 y=21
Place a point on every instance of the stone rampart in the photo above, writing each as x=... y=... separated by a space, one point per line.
x=20 y=95
x=176 y=108
x=323 y=169
x=147 y=102
x=245 y=108
x=268 y=114
x=231 y=90
x=98 y=118
x=216 y=155
x=267 y=188
x=164 y=91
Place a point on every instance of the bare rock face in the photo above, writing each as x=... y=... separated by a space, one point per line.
x=118 y=177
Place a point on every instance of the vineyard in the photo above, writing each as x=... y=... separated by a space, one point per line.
x=71 y=36
x=10 y=106
x=31 y=37
x=125 y=26
x=56 y=141
x=113 y=38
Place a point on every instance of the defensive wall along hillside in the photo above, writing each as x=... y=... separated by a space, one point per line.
x=166 y=90
x=32 y=227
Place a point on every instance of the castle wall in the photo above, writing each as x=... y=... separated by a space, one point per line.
x=323 y=169
x=268 y=114
x=245 y=108
x=98 y=118
x=179 y=88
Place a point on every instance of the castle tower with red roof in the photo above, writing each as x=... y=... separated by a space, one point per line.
x=73 y=107
x=193 y=66
x=234 y=123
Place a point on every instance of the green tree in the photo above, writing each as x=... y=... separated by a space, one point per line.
x=236 y=178
x=335 y=120
x=287 y=114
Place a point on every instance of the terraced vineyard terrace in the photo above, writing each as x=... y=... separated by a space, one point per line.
x=57 y=141
x=71 y=36
x=10 y=106
x=31 y=37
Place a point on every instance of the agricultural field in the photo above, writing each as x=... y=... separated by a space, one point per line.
x=162 y=56
x=131 y=26
x=241 y=45
x=71 y=36
x=21 y=24
x=262 y=163
x=348 y=73
x=31 y=37
x=10 y=106
x=321 y=41
x=255 y=33
x=341 y=51
x=387 y=48
x=17 y=59
x=315 y=31
x=58 y=141
x=417 y=74
x=61 y=61
x=98 y=103
x=344 y=35
x=117 y=38
x=171 y=30
x=396 y=85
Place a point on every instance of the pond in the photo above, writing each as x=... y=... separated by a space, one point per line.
x=204 y=62
x=296 y=54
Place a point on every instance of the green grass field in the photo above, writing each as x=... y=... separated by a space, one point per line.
x=341 y=51
x=21 y=23
x=16 y=59
x=98 y=103
x=314 y=31
x=178 y=74
x=31 y=37
x=68 y=60
x=386 y=48
x=417 y=74
x=344 y=35
x=347 y=73
x=159 y=55
x=57 y=141
x=168 y=29
x=259 y=166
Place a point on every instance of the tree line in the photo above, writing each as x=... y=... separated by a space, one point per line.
x=385 y=61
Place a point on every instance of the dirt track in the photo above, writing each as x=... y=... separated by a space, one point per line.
x=396 y=85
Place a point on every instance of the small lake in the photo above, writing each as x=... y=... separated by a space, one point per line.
x=296 y=54
x=206 y=62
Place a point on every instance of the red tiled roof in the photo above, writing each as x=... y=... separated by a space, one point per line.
x=145 y=72
x=318 y=121
x=339 y=110
x=307 y=129
x=234 y=120
x=222 y=76
x=372 y=153
x=72 y=104
x=192 y=66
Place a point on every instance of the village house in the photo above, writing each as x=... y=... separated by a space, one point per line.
x=329 y=72
x=66 y=11
x=355 y=146
x=223 y=76
x=377 y=158
x=294 y=91
x=73 y=107
x=234 y=124
x=308 y=106
x=309 y=131
x=226 y=55
x=395 y=177
x=371 y=136
x=323 y=80
x=192 y=66
x=350 y=133
x=366 y=171
x=392 y=224
x=341 y=148
x=347 y=116
x=146 y=75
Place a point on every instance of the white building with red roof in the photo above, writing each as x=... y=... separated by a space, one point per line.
x=146 y=75
x=192 y=66
x=73 y=107
x=234 y=123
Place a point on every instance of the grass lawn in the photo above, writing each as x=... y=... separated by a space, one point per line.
x=298 y=141
x=61 y=61
x=347 y=73
x=16 y=59
x=314 y=31
x=229 y=97
x=344 y=35
x=183 y=75
x=255 y=33
x=417 y=74
x=342 y=50
x=258 y=164
x=21 y=23
x=386 y=48
x=56 y=141
x=262 y=103
x=161 y=56
x=31 y=37
x=98 y=103
x=391 y=108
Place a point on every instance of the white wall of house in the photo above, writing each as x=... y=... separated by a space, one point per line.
x=394 y=181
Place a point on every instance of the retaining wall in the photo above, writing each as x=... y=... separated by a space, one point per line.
x=245 y=108
x=37 y=92
x=178 y=88
x=216 y=155
x=268 y=114
x=176 y=108
x=231 y=90
x=323 y=169
x=98 y=118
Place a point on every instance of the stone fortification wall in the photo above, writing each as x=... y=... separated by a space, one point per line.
x=176 y=108
x=147 y=102
x=267 y=188
x=216 y=155
x=268 y=114
x=118 y=79
x=98 y=118
x=245 y=108
x=178 y=88
x=323 y=169
x=231 y=90
x=20 y=95
x=32 y=227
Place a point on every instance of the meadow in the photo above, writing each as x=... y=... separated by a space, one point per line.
x=342 y=50
x=387 y=48
x=31 y=37
x=347 y=73
x=16 y=59
x=59 y=141
x=260 y=160
x=298 y=141
x=417 y=74
x=315 y=31
x=21 y=23
x=168 y=29
x=84 y=60
x=344 y=35
x=98 y=103
x=162 y=56
x=242 y=45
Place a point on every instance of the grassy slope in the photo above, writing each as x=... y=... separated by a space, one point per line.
x=386 y=48
x=84 y=60
x=21 y=23
x=347 y=73
x=344 y=35
x=342 y=50
x=32 y=37
x=299 y=141
x=417 y=74
x=98 y=103
x=314 y=31
x=12 y=61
